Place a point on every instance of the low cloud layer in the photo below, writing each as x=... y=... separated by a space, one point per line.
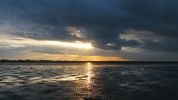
x=147 y=25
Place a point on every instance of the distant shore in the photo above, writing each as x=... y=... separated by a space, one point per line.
x=97 y=62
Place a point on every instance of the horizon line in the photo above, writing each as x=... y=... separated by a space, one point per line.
x=84 y=61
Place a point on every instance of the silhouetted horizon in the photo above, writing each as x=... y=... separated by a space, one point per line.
x=66 y=61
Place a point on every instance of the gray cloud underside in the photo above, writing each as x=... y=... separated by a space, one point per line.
x=102 y=21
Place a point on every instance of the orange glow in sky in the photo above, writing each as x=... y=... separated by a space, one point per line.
x=73 y=50
x=76 y=57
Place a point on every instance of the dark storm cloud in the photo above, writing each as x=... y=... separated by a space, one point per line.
x=103 y=20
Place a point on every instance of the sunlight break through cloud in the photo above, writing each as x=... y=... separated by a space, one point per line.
x=20 y=42
x=76 y=44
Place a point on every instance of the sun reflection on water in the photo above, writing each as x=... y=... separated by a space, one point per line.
x=89 y=73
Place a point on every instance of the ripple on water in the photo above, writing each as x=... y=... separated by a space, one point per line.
x=88 y=81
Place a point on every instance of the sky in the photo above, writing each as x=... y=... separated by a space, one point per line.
x=96 y=30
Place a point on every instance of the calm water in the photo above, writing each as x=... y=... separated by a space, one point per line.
x=88 y=81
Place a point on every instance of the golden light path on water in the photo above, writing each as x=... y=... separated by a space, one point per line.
x=76 y=79
x=85 y=75
x=89 y=73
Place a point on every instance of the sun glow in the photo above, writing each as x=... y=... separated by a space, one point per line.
x=27 y=42
x=76 y=44
x=54 y=50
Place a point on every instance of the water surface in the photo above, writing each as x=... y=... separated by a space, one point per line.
x=87 y=81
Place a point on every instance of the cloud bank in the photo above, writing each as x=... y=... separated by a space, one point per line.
x=150 y=26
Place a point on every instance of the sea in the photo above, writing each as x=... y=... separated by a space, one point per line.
x=88 y=81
